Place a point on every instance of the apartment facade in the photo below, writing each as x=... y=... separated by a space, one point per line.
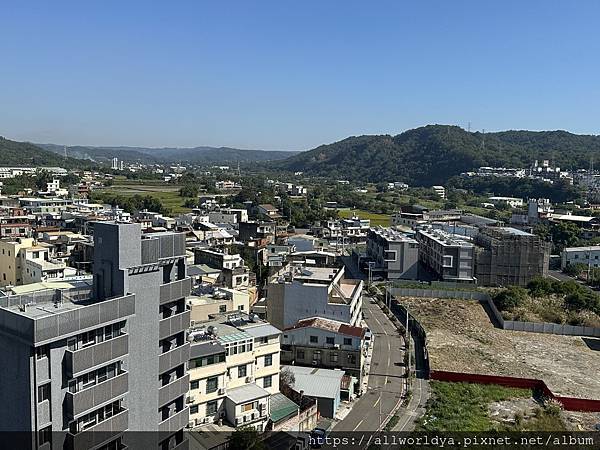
x=395 y=254
x=295 y=293
x=234 y=369
x=449 y=257
x=110 y=357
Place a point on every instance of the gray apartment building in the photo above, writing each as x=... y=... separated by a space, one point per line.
x=508 y=256
x=448 y=257
x=106 y=358
x=395 y=254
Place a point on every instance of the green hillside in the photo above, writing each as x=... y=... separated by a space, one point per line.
x=13 y=153
x=434 y=153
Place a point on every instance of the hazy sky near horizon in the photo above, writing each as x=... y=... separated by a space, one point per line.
x=290 y=75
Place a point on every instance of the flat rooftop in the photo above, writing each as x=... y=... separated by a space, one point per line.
x=317 y=382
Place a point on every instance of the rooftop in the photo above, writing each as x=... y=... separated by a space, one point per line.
x=246 y=393
x=317 y=382
x=282 y=407
x=329 y=325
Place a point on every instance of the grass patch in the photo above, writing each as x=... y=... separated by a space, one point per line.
x=392 y=423
x=463 y=406
x=376 y=219
x=166 y=194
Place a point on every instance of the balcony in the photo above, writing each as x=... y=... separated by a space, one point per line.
x=173 y=358
x=100 y=433
x=81 y=360
x=173 y=390
x=176 y=422
x=175 y=290
x=94 y=396
x=174 y=324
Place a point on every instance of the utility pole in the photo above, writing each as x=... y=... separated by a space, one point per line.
x=407 y=332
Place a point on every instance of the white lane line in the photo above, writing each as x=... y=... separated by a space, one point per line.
x=358 y=425
x=377 y=402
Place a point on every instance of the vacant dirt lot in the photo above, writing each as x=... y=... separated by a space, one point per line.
x=462 y=339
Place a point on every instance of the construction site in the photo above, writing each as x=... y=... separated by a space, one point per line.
x=461 y=338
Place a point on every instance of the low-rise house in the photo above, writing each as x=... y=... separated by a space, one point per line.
x=324 y=385
x=325 y=343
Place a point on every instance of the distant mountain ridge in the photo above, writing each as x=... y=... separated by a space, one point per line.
x=197 y=155
x=434 y=153
x=25 y=154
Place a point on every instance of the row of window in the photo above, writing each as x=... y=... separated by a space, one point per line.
x=328 y=340
x=212 y=384
x=207 y=361
x=211 y=408
x=96 y=336
x=95 y=417
x=333 y=357
x=95 y=377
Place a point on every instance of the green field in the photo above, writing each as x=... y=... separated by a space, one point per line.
x=376 y=219
x=464 y=407
x=167 y=194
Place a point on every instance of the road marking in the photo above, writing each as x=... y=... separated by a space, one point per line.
x=358 y=425
x=377 y=402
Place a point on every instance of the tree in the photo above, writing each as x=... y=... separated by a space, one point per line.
x=245 y=438
x=286 y=379
x=189 y=190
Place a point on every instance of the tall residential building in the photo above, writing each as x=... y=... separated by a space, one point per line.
x=448 y=256
x=115 y=163
x=508 y=256
x=295 y=293
x=108 y=357
x=234 y=370
x=395 y=254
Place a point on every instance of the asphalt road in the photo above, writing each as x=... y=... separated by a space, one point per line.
x=385 y=379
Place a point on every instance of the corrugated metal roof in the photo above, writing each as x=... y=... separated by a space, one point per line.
x=317 y=382
x=262 y=330
x=282 y=407
x=246 y=393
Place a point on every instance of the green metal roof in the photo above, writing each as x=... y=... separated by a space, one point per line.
x=282 y=407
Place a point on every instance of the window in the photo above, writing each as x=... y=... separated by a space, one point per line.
x=268 y=381
x=330 y=340
x=211 y=408
x=241 y=371
x=42 y=352
x=45 y=435
x=88 y=339
x=300 y=354
x=247 y=407
x=268 y=360
x=222 y=308
x=347 y=341
x=314 y=339
x=102 y=375
x=195 y=384
x=317 y=355
x=212 y=384
x=194 y=409
x=351 y=359
x=43 y=392
x=333 y=357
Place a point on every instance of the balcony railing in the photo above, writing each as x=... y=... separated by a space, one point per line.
x=81 y=360
x=82 y=401
x=174 y=324
x=175 y=290
x=173 y=358
x=173 y=390
x=101 y=433
x=176 y=422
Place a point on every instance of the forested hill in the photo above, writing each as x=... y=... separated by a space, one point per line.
x=194 y=155
x=13 y=153
x=434 y=153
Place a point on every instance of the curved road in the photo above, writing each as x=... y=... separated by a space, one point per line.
x=385 y=378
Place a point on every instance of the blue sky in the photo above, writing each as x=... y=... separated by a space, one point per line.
x=290 y=75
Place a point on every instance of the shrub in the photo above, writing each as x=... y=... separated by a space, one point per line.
x=511 y=298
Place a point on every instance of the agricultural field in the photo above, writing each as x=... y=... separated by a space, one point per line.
x=376 y=219
x=167 y=194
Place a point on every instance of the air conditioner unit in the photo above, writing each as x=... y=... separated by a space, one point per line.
x=189 y=400
x=315 y=362
x=221 y=391
x=248 y=379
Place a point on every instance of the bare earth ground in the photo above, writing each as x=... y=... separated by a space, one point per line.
x=461 y=338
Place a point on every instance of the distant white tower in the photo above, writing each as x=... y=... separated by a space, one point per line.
x=121 y=166
x=115 y=163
